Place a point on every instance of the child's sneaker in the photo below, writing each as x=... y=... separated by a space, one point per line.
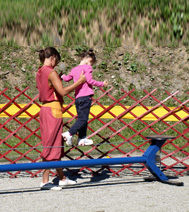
x=85 y=141
x=68 y=138
x=66 y=182
x=50 y=186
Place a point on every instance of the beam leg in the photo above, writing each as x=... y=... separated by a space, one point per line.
x=150 y=154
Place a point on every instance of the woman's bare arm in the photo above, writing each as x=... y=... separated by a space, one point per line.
x=57 y=84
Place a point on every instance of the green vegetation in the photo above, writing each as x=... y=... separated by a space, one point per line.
x=160 y=22
x=107 y=25
x=95 y=125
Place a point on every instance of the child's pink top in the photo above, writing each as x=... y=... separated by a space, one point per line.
x=86 y=88
x=46 y=92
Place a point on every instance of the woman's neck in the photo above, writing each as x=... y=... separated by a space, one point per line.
x=46 y=63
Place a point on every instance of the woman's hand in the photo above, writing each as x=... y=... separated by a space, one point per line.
x=82 y=78
x=57 y=84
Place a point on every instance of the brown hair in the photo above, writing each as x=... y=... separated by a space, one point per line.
x=48 y=52
x=88 y=53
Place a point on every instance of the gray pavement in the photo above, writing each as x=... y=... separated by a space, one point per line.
x=102 y=193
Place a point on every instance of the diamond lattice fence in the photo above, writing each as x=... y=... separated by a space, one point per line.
x=116 y=129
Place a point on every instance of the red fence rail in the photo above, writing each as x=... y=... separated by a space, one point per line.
x=20 y=137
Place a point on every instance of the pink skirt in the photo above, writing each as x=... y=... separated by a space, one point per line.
x=51 y=124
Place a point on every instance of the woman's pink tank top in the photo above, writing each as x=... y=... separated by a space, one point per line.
x=46 y=92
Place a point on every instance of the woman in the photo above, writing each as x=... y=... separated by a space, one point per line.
x=51 y=92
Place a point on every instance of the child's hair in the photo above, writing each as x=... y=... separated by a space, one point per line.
x=48 y=52
x=88 y=53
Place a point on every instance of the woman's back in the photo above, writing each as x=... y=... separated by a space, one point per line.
x=46 y=91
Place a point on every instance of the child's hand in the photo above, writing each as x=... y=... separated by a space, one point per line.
x=63 y=68
x=60 y=75
x=105 y=83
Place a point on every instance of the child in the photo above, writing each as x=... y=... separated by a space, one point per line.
x=51 y=92
x=83 y=97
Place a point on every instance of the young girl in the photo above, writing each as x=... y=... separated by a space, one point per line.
x=83 y=96
x=51 y=92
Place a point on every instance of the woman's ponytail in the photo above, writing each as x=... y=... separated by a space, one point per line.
x=48 y=52
x=41 y=55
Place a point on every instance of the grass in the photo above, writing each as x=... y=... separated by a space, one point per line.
x=109 y=66
x=105 y=133
x=158 y=22
x=95 y=125
x=171 y=17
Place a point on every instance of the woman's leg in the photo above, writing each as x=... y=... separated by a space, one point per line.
x=46 y=172
x=45 y=178
x=63 y=180
x=60 y=174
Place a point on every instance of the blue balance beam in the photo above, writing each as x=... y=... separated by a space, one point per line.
x=148 y=159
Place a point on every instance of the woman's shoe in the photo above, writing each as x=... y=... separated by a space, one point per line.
x=67 y=182
x=50 y=186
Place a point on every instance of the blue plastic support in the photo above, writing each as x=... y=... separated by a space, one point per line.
x=157 y=142
x=150 y=154
x=148 y=159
